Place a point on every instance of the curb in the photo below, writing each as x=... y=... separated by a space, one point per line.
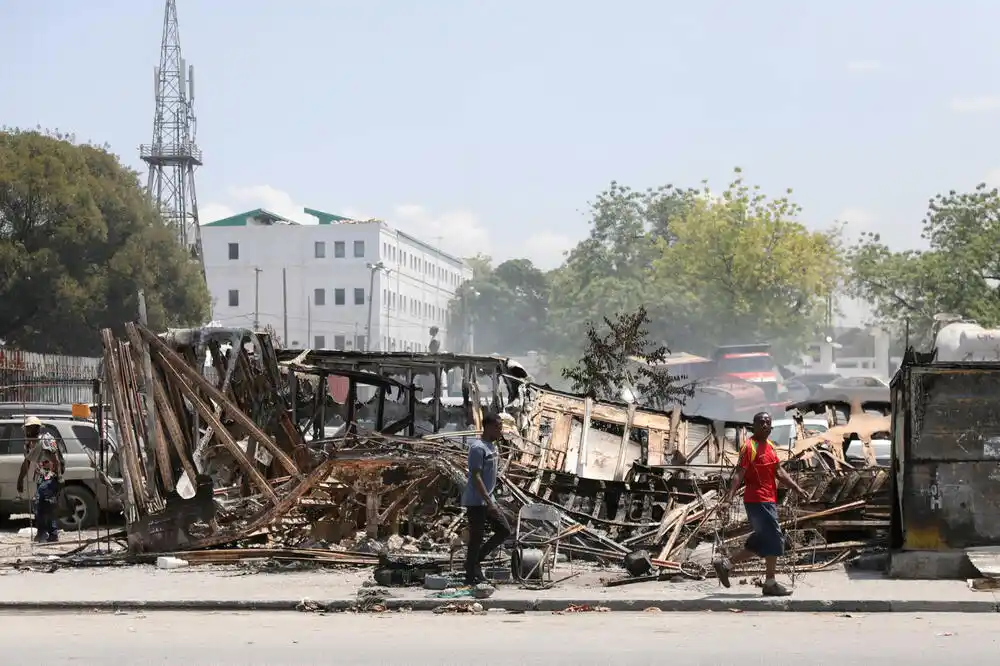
x=524 y=605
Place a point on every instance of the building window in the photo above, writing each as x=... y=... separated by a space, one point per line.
x=338 y=342
x=359 y=343
x=339 y=296
x=234 y=298
x=385 y=249
x=359 y=249
x=359 y=296
x=319 y=250
x=234 y=251
x=319 y=342
x=339 y=250
x=319 y=296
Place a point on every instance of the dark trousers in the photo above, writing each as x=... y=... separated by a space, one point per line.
x=45 y=518
x=478 y=517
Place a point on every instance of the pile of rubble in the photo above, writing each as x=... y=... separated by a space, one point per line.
x=230 y=449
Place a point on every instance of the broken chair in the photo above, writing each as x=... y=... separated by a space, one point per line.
x=536 y=542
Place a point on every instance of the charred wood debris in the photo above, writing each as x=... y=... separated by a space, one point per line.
x=232 y=450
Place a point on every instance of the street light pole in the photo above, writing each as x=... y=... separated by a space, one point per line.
x=470 y=326
x=374 y=268
x=256 y=298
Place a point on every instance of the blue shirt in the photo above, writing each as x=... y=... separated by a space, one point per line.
x=482 y=459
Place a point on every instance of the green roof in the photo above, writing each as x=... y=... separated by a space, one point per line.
x=241 y=219
x=326 y=218
x=263 y=215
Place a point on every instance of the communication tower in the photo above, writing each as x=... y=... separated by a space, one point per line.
x=173 y=154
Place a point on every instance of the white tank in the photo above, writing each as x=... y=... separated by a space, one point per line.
x=963 y=341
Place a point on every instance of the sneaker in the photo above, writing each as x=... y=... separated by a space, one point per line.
x=775 y=589
x=722 y=567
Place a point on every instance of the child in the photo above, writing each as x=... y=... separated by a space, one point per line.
x=46 y=496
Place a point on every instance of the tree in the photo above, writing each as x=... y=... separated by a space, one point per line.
x=624 y=359
x=957 y=274
x=505 y=307
x=741 y=268
x=78 y=240
x=609 y=271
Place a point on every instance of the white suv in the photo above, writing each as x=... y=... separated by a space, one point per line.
x=78 y=439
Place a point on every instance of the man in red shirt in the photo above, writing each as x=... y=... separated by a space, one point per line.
x=758 y=471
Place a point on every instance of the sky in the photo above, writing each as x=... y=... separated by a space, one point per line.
x=487 y=125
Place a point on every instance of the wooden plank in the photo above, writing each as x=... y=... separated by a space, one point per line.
x=675 y=424
x=604 y=412
x=173 y=359
x=623 y=446
x=559 y=442
x=675 y=534
x=655 y=447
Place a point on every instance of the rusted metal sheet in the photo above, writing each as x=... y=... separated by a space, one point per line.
x=946 y=433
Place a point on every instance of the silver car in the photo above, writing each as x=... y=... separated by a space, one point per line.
x=87 y=495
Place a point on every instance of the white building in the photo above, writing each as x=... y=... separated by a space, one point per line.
x=318 y=284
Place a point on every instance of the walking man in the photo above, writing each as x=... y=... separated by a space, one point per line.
x=480 y=506
x=44 y=462
x=758 y=470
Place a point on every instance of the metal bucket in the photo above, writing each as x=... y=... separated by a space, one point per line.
x=527 y=563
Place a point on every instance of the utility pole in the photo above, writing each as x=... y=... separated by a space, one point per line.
x=374 y=268
x=150 y=402
x=256 y=298
x=284 y=302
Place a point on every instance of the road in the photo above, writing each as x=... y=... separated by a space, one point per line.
x=582 y=639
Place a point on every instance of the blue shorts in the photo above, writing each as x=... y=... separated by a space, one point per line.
x=767 y=539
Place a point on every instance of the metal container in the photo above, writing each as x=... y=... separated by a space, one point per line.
x=946 y=455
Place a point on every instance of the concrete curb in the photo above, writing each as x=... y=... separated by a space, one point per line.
x=524 y=605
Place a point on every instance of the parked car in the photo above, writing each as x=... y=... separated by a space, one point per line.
x=795 y=391
x=881 y=449
x=854 y=389
x=87 y=495
x=814 y=381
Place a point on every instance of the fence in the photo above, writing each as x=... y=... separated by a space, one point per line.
x=30 y=377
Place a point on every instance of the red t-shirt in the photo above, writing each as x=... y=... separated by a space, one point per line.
x=760 y=474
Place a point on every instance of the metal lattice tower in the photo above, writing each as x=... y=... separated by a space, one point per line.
x=173 y=154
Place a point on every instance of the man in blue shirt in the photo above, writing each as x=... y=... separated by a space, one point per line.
x=480 y=506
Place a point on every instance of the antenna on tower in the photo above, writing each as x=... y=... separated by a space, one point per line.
x=173 y=154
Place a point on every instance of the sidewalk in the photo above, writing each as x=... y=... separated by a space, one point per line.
x=234 y=588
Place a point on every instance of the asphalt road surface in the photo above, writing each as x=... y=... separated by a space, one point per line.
x=582 y=639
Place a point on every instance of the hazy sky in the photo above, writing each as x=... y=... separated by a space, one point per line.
x=490 y=124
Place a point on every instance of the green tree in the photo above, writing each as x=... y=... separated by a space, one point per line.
x=609 y=271
x=741 y=268
x=506 y=308
x=957 y=274
x=78 y=239
x=623 y=359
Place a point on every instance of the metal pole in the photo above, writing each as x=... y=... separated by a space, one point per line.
x=371 y=300
x=256 y=299
x=284 y=305
x=147 y=371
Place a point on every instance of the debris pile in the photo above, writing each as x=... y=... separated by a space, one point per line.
x=230 y=449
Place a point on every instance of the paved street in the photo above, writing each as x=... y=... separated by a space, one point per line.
x=581 y=639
